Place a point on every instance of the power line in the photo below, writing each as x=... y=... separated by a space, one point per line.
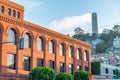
x=102 y=27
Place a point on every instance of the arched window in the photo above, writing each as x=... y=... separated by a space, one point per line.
x=61 y=49
x=106 y=70
x=40 y=43
x=2 y=9
x=70 y=52
x=114 y=72
x=51 y=47
x=18 y=15
x=85 y=56
x=27 y=41
x=11 y=36
x=9 y=11
x=78 y=54
x=14 y=13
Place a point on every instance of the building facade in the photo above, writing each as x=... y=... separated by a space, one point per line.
x=110 y=58
x=42 y=47
x=108 y=69
x=116 y=44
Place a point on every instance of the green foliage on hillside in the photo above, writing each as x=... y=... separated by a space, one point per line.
x=107 y=36
x=101 y=47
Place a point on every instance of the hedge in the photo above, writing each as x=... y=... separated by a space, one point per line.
x=42 y=73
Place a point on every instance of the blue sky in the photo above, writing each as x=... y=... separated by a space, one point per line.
x=65 y=15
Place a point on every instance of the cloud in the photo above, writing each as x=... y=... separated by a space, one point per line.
x=68 y=24
x=29 y=4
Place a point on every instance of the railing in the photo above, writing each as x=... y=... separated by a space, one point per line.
x=102 y=77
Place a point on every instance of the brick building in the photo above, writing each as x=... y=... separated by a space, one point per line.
x=42 y=47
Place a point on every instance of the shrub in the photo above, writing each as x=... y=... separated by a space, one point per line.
x=95 y=67
x=64 y=76
x=42 y=73
x=81 y=75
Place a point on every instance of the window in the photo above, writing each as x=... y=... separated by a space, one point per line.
x=78 y=67
x=18 y=15
x=9 y=11
x=61 y=49
x=51 y=47
x=11 y=36
x=40 y=44
x=14 y=13
x=61 y=67
x=26 y=63
x=78 y=54
x=2 y=9
x=114 y=72
x=86 y=68
x=39 y=62
x=71 y=68
x=51 y=64
x=27 y=41
x=85 y=56
x=70 y=52
x=106 y=70
x=11 y=61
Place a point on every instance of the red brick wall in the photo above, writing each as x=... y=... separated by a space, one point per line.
x=21 y=27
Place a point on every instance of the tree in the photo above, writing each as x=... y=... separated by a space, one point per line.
x=105 y=37
x=116 y=28
x=117 y=73
x=78 y=30
x=106 y=31
x=79 y=36
x=88 y=36
x=101 y=47
x=42 y=73
x=81 y=75
x=94 y=36
x=64 y=76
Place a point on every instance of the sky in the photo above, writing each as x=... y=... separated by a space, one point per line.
x=65 y=15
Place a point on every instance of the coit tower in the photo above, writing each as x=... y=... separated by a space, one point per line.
x=94 y=23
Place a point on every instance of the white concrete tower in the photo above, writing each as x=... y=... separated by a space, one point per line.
x=94 y=24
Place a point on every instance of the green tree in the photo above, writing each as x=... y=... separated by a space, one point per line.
x=101 y=47
x=106 y=31
x=94 y=36
x=81 y=75
x=64 y=76
x=116 y=28
x=117 y=73
x=42 y=73
x=88 y=36
x=105 y=37
x=79 y=34
x=78 y=30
